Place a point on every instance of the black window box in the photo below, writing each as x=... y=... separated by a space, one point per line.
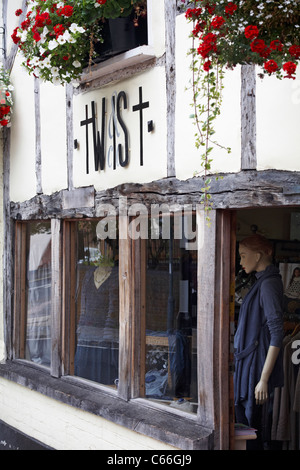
x=120 y=35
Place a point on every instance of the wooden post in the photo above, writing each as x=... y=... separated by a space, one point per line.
x=38 y=149
x=215 y=278
x=248 y=117
x=8 y=246
x=170 y=19
x=125 y=304
x=56 y=262
x=205 y=340
x=70 y=135
x=224 y=296
x=68 y=297
x=20 y=307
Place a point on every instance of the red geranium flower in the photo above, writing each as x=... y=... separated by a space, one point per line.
x=295 y=51
x=25 y=24
x=206 y=65
x=210 y=8
x=42 y=19
x=59 y=30
x=208 y=45
x=18 y=12
x=265 y=52
x=192 y=12
x=271 y=66
x=217 y=22
x=290 y=69
x=258 y=45
x=251 y=32
x=5 y=110
x=276 y=45
x=230 y=8
x=16 y=39
x=36 y=36
x=199 y=28
x=67 y=10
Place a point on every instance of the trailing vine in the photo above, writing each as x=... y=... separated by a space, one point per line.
x=207 y=86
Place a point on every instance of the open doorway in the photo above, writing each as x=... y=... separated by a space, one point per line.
x=281 y=226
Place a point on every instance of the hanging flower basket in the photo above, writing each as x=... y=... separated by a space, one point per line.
x=265 y=33
x=57 y=39
x=6 y=100
x=228 y=33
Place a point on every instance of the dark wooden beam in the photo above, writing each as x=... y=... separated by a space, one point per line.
x=270 y=188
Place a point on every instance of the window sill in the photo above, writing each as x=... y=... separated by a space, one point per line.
x=117 y=68
x=171 y=429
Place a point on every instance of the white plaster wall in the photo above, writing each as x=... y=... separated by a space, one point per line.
x=64 y=427
x=278 y=123
x=155 y=159
x=227 y=125
x=22 y=162
x=53 y=137
x=12 y=20
x=156 y=26
x=278 y=119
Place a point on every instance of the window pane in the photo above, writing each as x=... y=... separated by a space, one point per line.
x=97 y=306
x=38 y=293
x=171 y=322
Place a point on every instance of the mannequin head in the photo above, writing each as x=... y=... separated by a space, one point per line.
x=256 y=253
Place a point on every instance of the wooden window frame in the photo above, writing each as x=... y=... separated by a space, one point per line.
x=69 y=242
x=19 y=317
x=213 y=344
x=20 y=294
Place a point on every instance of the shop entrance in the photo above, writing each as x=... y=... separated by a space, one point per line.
x=281 y=226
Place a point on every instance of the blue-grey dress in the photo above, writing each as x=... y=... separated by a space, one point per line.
x=260 y=325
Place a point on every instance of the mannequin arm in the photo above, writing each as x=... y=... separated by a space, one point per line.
x=261 y=389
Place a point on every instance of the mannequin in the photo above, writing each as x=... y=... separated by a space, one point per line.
x=258 y=339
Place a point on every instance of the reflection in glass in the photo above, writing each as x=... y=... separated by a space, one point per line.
x=97 y=306
x=171 y=322
x=38 y=290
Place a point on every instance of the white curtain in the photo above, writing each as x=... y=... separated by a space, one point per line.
x=38 y=332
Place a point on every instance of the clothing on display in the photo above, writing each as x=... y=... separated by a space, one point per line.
x=286 y=405
x=97 y=348
x=293 y=290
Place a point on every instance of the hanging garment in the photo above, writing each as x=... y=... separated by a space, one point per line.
x=286 y=419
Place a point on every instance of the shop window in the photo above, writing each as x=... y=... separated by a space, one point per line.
x=170 y=367
x=93 y=281
x=33 y=301
x=86 y=311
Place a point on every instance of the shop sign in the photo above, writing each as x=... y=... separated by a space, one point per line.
x=115 y=154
